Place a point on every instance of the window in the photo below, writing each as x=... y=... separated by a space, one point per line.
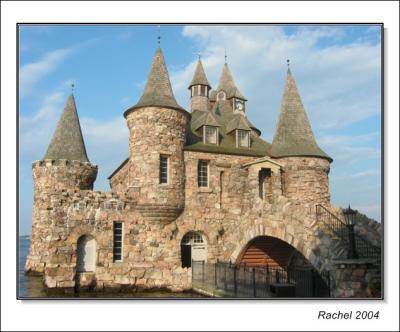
x=163 y=169
x=221 y=95
x=262 y=175
x=210 y=135
x=242 y=138
x=202 y=173
x=117 y=245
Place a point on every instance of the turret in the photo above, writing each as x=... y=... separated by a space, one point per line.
x=199 y=90
x=306 y=166
x=65 y=166
x=227 y=90
x=157 y=126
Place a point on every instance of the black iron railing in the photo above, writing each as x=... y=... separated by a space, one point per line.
x=246 y=281
x=363 y=248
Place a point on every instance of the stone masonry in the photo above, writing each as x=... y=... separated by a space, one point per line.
x=230 y=211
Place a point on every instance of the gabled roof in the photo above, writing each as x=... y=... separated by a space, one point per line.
x=67 y=142
x=294 y=136
x=227 y=84
x=237 y=122
x=222 y=112
x=158 y=89
x=199 y=77
x=206 y=119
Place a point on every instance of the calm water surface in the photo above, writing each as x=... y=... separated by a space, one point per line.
x=32 y=286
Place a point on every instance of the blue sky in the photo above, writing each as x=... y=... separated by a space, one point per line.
x=337 y=70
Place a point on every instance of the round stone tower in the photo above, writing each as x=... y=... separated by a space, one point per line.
x=305 y=165
x=64 y=167
x=157 y=126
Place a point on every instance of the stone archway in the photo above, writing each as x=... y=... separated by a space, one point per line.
x=303 y=243
x=86 y=254
x=280 y=258
x=271 y=251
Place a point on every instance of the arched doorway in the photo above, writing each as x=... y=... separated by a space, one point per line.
x=193 y=248
x=86 y=254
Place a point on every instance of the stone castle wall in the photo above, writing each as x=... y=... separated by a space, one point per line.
x=229 y=213
x=155 y=131
x=118 y=182
x=306 y=179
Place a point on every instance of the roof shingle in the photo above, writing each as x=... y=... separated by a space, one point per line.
x=67 y=142
x=294 y=136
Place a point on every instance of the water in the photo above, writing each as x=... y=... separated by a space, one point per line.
x=32 y=286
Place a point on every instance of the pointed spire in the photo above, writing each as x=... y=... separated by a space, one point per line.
x=158 y=89
x=67 y=142
x=199 y=77
x=227 y=84
x=294 y=136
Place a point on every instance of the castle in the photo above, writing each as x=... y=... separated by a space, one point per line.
x=197 y=186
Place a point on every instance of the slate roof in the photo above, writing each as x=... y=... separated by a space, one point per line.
x=205 y=119
x=237 y=122
x=199 y=77
x=223 y=114
x=158 y=89
x=67 y=142
x=227 y=84
x=294 y=136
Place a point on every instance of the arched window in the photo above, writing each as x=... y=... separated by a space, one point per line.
x=86 y=254
x=193 y=248
x=221 y=95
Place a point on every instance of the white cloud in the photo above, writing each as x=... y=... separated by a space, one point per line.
x=339 y=84
x=30 y=74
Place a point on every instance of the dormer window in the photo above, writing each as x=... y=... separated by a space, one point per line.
x=210 y=135
x=221 y=95
x=242 y=138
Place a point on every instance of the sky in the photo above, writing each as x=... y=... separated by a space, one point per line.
x=337 y=69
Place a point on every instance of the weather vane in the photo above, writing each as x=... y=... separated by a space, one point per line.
x=198 y=54
x=158 y=34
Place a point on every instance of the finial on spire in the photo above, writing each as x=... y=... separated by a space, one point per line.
x=288 y=63
x=72 y=88
x=158 y=35
x=226 y=57
x=198 y=55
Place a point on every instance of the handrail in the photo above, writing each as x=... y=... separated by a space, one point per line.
x=364 y=248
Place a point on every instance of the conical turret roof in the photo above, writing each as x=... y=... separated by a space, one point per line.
x=67 y=142
x=294 y=136
x=227 y=84
x=158 y=89
x=199 y=77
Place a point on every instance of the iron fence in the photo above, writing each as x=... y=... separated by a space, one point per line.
x=339 y=228
x=262 y=282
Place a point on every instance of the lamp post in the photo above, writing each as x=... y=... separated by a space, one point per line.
x=350 y=214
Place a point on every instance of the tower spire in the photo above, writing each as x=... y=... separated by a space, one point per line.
x=67 y=142
x=227 y=84
x=199 y=77
x=294 y=136
x=158 y=89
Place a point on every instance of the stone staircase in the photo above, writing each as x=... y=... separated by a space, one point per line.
x=337 y=229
